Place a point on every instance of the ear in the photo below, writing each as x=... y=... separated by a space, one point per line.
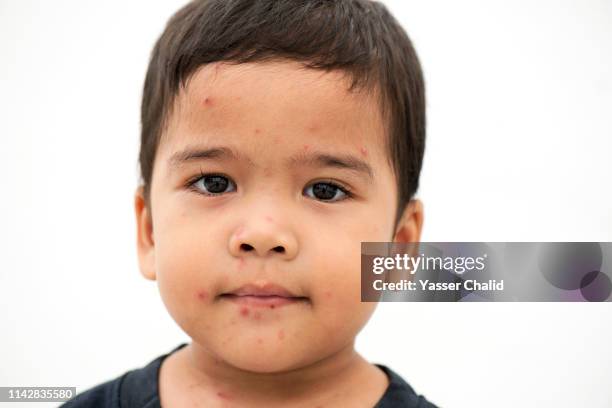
x=145 y=242
x=411 y=223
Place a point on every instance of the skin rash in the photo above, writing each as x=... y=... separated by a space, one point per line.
x=268 y=226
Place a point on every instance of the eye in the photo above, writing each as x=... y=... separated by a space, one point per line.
x=211 y=184
x=328 y=191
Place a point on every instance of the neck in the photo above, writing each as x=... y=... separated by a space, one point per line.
x=326 y=376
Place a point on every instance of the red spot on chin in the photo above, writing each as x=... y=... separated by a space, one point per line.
x=202 y=295
x=271 y=306
x=281 y=334
x=244 y=311
x=364 y=151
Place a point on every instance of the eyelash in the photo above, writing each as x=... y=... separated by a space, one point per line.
x=190 y=184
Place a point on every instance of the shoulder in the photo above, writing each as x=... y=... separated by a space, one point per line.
x=400 y=394
x=103 y=395
x=135 y=388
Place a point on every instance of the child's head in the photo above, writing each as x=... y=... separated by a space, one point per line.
x=254 y=112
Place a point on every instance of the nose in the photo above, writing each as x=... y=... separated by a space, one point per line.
x=263 y=238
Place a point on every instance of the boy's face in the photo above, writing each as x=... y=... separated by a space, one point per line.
x=275 y=219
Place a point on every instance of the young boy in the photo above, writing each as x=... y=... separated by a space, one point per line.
x=276 y=137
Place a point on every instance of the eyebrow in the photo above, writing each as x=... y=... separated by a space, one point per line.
x=311 y=158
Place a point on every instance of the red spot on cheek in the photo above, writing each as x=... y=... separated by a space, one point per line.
x=202 y=294
x=364 y=151
x=223 y=395
x=306 y=147
x=269 y=219
x=244 y=311
x=208 y=101
x=259 y=341
x=281 y=334
x=257 y=131
x=328 y=293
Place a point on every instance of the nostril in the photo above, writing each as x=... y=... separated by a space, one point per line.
x=246 y=247
x=279 y=249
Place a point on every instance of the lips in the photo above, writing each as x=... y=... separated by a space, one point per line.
x=269 y=289
x=269 y=294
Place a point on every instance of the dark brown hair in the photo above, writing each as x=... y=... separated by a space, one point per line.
x=358 y=37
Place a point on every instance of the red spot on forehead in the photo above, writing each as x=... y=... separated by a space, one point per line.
x=244 y=311
x=363 y=151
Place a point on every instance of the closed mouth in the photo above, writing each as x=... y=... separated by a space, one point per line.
x=271 y=301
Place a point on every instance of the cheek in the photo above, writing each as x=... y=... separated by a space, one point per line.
x=336 y=290
x=185 y=271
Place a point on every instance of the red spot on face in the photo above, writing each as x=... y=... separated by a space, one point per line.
x=306 y=147
x=257 y=131
x=281 y=334
x=271 y=306
x=364 y=151
x=239 y=232
x=223 y=395
x=259 y=341
x=269 y=219
x=202 y=294
x=208 y=101
x=244 y=311
x=312 y=128
x=328 y=293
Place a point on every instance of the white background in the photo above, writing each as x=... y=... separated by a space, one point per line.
x=518 y=149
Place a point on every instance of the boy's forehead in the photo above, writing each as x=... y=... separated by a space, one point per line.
x=277 y=104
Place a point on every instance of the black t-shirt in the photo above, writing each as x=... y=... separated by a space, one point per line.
x=139 y=389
